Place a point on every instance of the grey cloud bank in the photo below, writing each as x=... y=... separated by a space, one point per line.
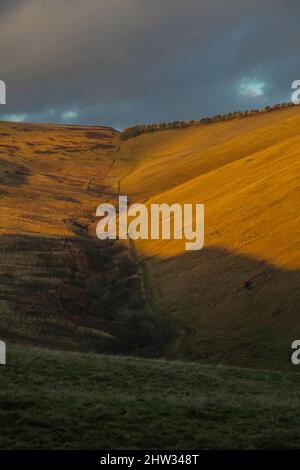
x=122 y=62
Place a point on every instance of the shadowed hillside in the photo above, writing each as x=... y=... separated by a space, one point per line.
x=230 y=308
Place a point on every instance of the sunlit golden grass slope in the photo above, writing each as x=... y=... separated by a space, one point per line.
x=237 y=299
x=50 y=174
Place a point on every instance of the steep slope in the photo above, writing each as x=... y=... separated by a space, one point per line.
x=237 y=300
x=60 y=286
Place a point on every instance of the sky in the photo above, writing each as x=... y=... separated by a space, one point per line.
x=126 y=62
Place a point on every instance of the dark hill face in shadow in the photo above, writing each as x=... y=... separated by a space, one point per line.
x=76 y=293
x=231 y=308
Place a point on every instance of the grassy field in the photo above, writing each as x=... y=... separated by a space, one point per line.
x=54 y=400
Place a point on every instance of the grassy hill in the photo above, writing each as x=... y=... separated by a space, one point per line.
x=54 y=400
x=238 y=298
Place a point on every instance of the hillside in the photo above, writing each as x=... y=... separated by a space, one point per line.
x=86 y=401
x=60 y=286
x=238 y=298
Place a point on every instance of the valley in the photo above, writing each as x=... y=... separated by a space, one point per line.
x=123 y=332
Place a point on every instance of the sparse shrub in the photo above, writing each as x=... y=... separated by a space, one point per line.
x=145 y=334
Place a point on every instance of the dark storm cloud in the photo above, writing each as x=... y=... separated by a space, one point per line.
x=120 y=62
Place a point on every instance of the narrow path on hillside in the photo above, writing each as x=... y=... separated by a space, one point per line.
x=188 y=333
x=151 y=298
x=146 y=282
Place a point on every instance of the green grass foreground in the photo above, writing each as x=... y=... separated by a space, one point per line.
x=62 y=400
